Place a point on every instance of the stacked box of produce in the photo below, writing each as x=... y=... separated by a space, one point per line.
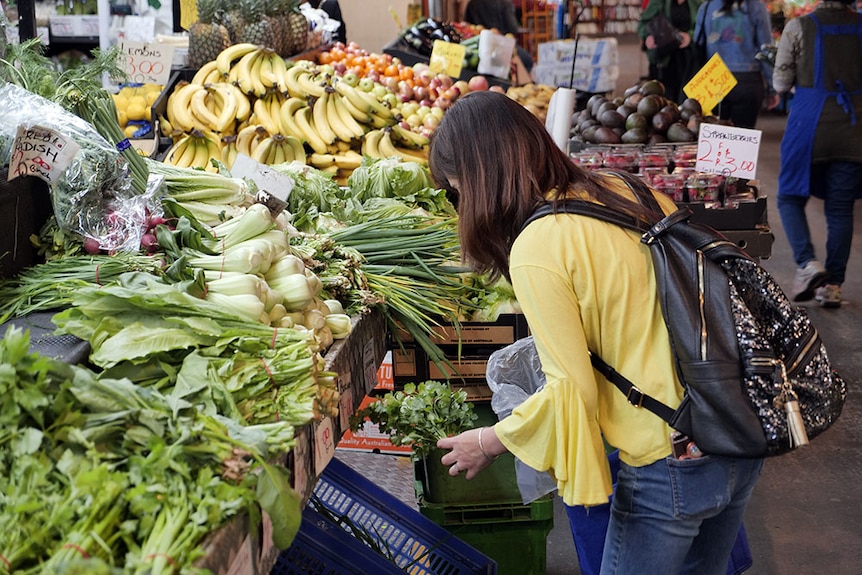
x=594 y=68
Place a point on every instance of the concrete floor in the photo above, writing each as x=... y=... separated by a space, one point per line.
x=804 y=518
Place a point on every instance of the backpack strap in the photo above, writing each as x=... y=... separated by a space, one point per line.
x=634 y=395
x=598 y=211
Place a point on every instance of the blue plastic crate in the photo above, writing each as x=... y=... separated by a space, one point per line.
x=418 y=545
x=323 y=548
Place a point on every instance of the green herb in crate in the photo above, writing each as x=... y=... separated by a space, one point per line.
x=419 y=415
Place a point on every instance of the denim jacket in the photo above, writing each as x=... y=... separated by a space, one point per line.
x=736 y=39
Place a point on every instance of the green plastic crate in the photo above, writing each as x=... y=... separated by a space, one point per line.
x=513 y=535
x=496 y=484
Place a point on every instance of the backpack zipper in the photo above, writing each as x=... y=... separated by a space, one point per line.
x=701 y=295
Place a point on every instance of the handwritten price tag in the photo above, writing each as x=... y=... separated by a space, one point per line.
x=711 y=84
x=447 y=57
x=41 y=152
x=728 y=150
x=147 y=63
x=324 y=444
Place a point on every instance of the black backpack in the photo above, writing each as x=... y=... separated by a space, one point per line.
x=757 y=378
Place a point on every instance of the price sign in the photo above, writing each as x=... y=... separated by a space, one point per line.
x=273 y=188
x=147 y=63
x=188 y=13
x=324 y=444
x=711 y=84
x=728 y=150
x=447 y=57
x=41 y=152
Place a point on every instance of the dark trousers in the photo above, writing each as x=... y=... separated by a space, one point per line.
x=742 y=105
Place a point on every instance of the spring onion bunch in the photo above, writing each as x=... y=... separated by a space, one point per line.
x=407 y=263
x=53 y=284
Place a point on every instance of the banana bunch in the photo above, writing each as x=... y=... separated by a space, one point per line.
x=253 y=69
x=214 y=107
x=380 y=144
x=196 y=150
x=535 y=97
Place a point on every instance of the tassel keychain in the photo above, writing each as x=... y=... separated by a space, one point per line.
x=795 y=423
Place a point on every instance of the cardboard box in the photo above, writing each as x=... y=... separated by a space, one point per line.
x=74 y=26
x=593 y=79
x=592 y=52
x=370 y=438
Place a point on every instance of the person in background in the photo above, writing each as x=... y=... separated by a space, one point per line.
x=676 y=69
x=500 y=15
x=735 y=30
x=333 y=10
x=668 y=516
x=820 y=55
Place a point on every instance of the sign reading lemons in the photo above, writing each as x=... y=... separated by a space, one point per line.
x=447 y=57
x=147 y=63
x=711 y=84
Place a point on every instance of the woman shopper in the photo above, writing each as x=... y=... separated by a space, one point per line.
x=584 y=285
x=735 y=30
x=675 y=69
x=821 y=152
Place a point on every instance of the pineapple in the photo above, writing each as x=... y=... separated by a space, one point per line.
x=257 y=28
x=231 y=18
x=296 y=31
x=207 y=38
x=275 y=10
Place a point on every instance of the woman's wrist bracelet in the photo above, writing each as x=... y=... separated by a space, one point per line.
x=482 y=446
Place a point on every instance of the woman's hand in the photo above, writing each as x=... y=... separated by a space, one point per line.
x=649 y=42
x=684 y=39
x=467 y=454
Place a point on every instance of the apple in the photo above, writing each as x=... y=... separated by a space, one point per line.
x=420 y=93
x=391 y=99
x=366 y=84
x=445 y=80
x=431 y=121
x=423 y=110
x=463 y=86
x=379 y=90
x=496 y=88
x=442 y=102
x=437 y=112
x=478 y=83
x=340 y=68
x=414 y=121
x=350 y=78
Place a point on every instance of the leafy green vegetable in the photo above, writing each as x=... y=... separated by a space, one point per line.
x=419 y=415
x=410 y=182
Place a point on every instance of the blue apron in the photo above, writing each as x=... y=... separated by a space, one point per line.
x=797 y=145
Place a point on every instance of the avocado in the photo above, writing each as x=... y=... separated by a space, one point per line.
x=652 y=87
x=656 y=138
x=692 y=105
x=625 y=110
x=588 y=123
x=593 y=104
x=693 y=123
x=604 y=107
x=649 y=106
x=661 y=121
x=634 y=100
x=605 y=135
x=677 y=132
x=589 y=134
x=631 y=90
x=636 y=121
x=672 y=110
x=634 y=136
x=612 y=119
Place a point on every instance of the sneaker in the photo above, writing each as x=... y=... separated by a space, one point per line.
x=808 y=278
x=828 y=295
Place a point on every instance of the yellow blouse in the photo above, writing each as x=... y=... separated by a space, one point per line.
x=584 y=284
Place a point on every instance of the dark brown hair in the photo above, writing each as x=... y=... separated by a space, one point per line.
x=501 y=163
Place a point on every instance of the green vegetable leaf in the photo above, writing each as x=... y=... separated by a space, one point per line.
x=282 y=504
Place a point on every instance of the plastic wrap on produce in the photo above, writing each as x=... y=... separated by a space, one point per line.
x=92 y=194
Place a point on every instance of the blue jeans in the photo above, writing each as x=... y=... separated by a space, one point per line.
x=678 y=516
x=838 y=183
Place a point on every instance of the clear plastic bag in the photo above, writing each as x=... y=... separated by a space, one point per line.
x=514 y=373
x=93 y=196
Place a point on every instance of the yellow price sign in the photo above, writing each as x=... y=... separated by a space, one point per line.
x=447 y=57
x=188 y=13
x=711 y=84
